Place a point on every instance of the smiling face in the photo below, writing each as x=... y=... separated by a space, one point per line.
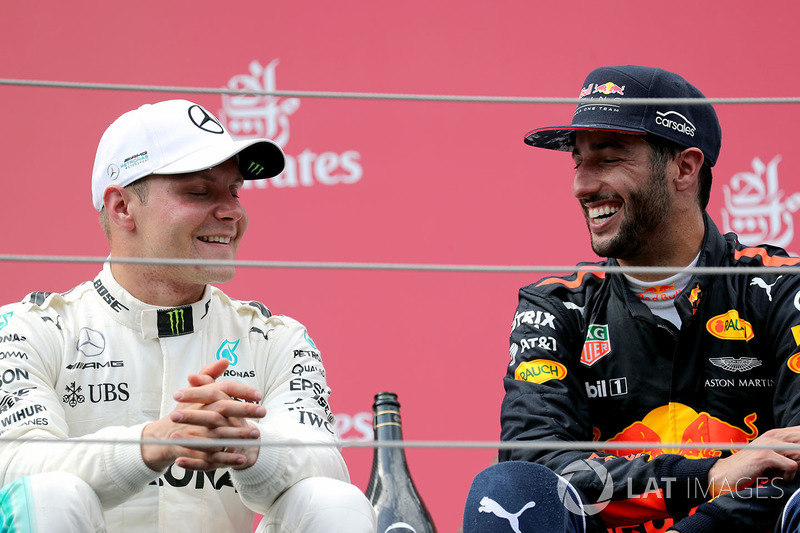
x=625 y=200
x=188 y=216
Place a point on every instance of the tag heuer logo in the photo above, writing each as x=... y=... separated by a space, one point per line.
x=597 y=344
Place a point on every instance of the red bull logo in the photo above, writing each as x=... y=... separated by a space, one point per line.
x=539 y=371
x=694 y=298
x=679 y=424
x=658 y=289
x=609 y=88
x=597 y=344
x=729 y=326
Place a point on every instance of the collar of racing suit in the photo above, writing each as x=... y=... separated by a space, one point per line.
x=153 y=321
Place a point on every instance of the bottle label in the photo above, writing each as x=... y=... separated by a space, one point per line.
x=389 y=417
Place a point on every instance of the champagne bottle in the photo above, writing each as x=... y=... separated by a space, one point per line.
x=391 y=490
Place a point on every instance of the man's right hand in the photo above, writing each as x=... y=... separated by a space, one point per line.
x=207 y=409
x=747 y=465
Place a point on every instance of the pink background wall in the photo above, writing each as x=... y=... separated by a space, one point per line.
x=388 y=181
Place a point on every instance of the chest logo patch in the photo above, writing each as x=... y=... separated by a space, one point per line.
x=730 y=327
x=227 y=350
x=597 y=344
x=174 y=322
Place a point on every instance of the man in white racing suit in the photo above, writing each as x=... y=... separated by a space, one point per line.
x=113 y=390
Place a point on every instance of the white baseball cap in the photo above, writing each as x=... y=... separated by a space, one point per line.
x=175 y=137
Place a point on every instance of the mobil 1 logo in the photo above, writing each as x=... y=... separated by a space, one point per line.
x=604 y=388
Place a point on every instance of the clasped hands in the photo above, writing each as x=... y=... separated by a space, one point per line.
x=207 y=409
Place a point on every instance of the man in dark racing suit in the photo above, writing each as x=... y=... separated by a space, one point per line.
x=650 y=364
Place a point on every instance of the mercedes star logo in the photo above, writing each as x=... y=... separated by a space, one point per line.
x=90 y=342
x=205 y=120
x=113 y=172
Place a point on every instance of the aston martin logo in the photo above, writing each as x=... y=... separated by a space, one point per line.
x=205 y=120
x=732 y=364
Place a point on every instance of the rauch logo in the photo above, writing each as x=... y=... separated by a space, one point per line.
x=729 y=326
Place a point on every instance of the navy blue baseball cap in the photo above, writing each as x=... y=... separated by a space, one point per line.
x=687 y=125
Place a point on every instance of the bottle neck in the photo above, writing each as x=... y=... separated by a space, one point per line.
x=387 y=424
x=388 y=428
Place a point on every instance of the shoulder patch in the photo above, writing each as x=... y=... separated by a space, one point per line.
x=540 y=371
x=573 y=283
x=38 y=298
x=266 y=313
x=765 y=257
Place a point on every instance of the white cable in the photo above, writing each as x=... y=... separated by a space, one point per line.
x=396 y=96
x=503 y=445
x=430 y=267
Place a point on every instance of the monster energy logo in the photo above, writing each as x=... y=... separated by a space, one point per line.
x=173 y=322
x=176 y=321
x=255 y=168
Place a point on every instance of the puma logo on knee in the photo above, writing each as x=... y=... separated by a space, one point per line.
x=488 y=505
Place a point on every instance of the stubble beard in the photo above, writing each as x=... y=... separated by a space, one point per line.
x=646 y=209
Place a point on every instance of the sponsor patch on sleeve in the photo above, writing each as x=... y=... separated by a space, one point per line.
x=794 y=363
x=796 y=333
x=539 y=371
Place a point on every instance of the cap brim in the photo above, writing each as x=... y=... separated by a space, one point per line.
x=563 y=137
x=258 y=159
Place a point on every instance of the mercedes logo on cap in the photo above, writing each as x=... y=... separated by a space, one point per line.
x=205 y=120
x=113 y=172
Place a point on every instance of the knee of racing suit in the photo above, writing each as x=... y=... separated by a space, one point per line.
x=51 y=501
x=320 y=505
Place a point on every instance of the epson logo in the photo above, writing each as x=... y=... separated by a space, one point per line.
x=669 y=120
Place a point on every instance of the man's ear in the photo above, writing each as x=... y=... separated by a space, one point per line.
x=689 y=161
x=116 y=200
